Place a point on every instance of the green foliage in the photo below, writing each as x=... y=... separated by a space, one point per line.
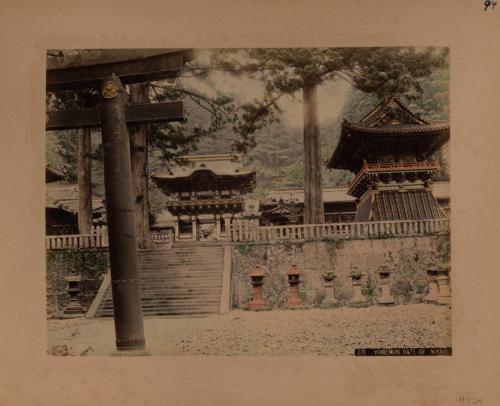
x=342 y=292
x=90 y=264
x=243 y=249
x=219 y=123
x=409 y=281
x=369 y=290
x=375 y=71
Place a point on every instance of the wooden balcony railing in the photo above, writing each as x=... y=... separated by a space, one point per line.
x=400 y=166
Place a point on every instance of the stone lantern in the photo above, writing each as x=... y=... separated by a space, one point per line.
x=443 y=282
x=328 y=283
x=294 y=299
x=258 y=301
x=356 y=276
x=74 y=309
x=384 y=276
x=432 y=272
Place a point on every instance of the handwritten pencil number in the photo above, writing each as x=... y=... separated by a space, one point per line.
x=488 y=3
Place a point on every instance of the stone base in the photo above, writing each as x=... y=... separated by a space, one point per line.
x=131 y=353
x=444 y=300
x=330 y=302
x=295 y=302
x=358 y=304
x=257 y=305
x=386 y=301
x=257 y=309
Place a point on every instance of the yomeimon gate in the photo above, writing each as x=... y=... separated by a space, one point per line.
x=391 y=151
x=205 y=194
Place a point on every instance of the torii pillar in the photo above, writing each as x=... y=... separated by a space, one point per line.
x=121 y=225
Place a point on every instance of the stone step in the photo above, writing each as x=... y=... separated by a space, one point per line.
x=173 y=295
x=173 y=281
x=177 y=251
x=172 y=307
x=175 y=304
x=184 y=295
x=177 y=264
x=181 y=265
x=172 y=314
x=200 y=287
x=209 y=278
x=182 y=273
x=185 y=280
x=166 y=267
x=194 y=258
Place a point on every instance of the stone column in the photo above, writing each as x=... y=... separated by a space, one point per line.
x=356 y=284
x=258 y=301
x=194 y=228
x=443 y=282
x=330 y=299
x=176 y=228
x=227 y=226
x=74 y=309
x=385 y=297
x=294 y=299
x=432 y=296
x=217 y=227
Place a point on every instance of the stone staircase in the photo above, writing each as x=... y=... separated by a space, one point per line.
x=185 y=280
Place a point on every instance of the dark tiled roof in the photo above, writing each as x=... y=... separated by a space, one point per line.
x=397 y=129
x=219 y=165
x=396 y=205
x=65 y=197
x=391 y=116
x=52 y=174
x=382 y=130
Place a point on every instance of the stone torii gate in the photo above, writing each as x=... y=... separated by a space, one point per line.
x=113 y=115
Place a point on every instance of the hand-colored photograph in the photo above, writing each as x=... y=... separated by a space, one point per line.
x=256 y=201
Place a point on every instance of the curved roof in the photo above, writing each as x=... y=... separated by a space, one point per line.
x=52 y=174
x=221 y=165
x=381 y=132
x=227 y=166
x=65 y=197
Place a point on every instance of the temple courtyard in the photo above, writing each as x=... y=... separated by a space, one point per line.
x=337 y=331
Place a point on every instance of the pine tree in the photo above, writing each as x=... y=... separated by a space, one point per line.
x=377 y=71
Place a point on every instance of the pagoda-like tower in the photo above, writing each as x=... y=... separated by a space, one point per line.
x=205 y=193
x=390 y=151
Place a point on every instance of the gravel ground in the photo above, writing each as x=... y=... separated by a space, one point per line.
x=279 y=332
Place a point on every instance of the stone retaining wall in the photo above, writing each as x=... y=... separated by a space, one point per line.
x=406 y=258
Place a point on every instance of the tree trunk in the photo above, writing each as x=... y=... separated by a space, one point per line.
x=313 y=196
x=139 y=158
x=84 y=165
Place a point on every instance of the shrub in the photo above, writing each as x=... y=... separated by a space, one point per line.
x=369 y=290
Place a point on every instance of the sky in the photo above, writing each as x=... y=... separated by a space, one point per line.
x=331 y=94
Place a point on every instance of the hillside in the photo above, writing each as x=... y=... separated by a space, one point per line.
x=278 y=155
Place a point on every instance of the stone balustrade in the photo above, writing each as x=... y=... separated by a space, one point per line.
x=98 y=238
x=243 y=230
x=249 y=230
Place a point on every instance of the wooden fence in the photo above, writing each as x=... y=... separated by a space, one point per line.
x=242 y=230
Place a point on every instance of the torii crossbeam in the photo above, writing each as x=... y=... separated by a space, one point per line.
x=112 y=116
